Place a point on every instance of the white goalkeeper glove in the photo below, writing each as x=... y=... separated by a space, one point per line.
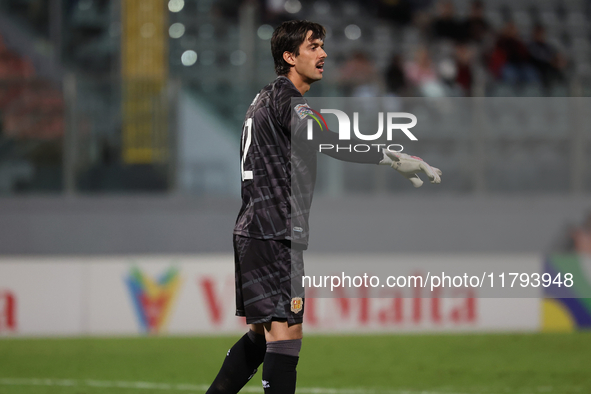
x=410 y=166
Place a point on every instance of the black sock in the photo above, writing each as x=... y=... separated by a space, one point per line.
x=240 y=364
x=279 y=369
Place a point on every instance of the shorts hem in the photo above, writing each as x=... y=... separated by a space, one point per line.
x=266 y=319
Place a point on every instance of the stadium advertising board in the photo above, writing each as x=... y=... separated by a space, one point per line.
x=567 y=308
x=195 y=295
x=7 y=311
x=41 y=297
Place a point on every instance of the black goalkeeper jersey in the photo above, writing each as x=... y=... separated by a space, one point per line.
x=278 y=165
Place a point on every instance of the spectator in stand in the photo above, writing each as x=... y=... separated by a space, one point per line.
x=476 y=27
x=510 y=60
x=549 y=63
x=421 y=74
x=455 y=70
x=358 y=76
x=582 y=236
x=464 y=56
x=446 y=25
x=394 y=76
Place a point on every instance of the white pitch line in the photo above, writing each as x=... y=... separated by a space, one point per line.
x=202 y=388
x=191 y=387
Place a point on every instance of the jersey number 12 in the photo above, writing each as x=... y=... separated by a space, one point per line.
x=246 y=140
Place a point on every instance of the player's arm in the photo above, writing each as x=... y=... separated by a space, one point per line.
x=302 y=116
x=299 y=115
x=327 y=142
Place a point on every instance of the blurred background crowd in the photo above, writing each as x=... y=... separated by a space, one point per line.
x=85 y=108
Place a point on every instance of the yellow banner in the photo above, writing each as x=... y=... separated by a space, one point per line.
x=144 y=71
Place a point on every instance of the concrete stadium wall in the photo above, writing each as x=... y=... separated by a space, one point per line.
x=180 y=225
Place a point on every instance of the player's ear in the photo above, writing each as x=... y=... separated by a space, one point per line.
x=289 y=58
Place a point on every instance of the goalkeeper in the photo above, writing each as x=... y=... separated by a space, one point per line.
x=278 y=167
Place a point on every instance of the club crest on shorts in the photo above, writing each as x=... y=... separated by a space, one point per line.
x=297 y=304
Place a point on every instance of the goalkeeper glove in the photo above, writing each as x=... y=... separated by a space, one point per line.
x=410 y=166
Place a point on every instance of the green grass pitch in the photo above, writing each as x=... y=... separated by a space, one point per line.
x=410 y=364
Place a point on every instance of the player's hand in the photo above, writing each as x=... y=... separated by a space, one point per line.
x=410 y=166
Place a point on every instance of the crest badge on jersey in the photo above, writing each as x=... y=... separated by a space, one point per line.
x=303 y=110
x=297 y=304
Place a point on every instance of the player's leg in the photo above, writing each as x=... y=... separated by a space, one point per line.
x=284 y=342
x=284 y=332
x=241 y=362
x=243 y=359
x=266 y=294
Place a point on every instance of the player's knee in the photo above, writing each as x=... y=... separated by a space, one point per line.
x=281 y=331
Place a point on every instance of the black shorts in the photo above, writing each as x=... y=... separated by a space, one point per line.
x=268 y=280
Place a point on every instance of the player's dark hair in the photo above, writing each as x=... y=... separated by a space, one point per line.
x=288 y=37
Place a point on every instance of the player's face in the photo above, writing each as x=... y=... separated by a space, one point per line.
x=309 y=64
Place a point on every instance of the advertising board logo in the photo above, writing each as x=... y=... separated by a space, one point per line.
x=7 y=311
x=153 y=299
x=566 y=308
